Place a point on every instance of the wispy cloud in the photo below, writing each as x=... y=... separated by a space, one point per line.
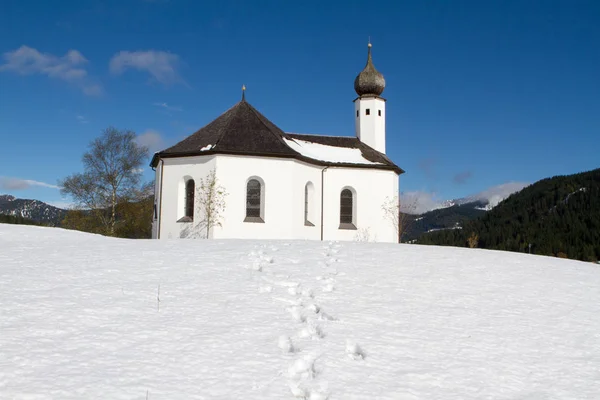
x=161 y=65
x=462 y=177
x=81 y=119
x=418 y=202
x=427 y=165
x=152 y=139
x=69 y=68
x=167 y=107
x=8 y=183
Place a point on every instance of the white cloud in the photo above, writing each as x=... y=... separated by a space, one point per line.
x=8 y=183
x=496 y=194
x=152 y=139
x=69 y=68
x=167 y=107
x=160 y=64
x=63 y=204
x=418 y=202
x=82 y=119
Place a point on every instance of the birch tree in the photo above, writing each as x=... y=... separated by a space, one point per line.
x=210 y=202
x=111 y=175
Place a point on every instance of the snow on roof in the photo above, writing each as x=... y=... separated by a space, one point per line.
x=327 y=153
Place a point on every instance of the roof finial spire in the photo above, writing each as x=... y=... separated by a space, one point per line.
x=243 y=92
x=369 y=81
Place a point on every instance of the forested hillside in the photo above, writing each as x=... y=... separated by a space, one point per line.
x=133 y=220
x=558 y=216
x=17 y=220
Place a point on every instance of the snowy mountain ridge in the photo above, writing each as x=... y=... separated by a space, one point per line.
x=32 y=209
x=87 y=316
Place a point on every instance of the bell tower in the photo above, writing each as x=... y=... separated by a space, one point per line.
x=369 y=106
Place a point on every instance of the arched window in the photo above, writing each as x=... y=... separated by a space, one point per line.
x=190 y=187
x=254 y=201
x=347 y=210
x=309 y=204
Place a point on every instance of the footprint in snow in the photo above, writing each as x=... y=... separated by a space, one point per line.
x=265 y=289
x=354 y=351
x=301 y=392
x=303 y=368
x=285 y=344
x=328 y=288
x=311 y=331
x=296 y=313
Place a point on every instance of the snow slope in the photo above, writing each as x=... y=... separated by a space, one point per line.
x=80 y=319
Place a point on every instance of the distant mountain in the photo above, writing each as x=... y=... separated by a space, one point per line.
x=34 y=210
x=558 y=216
x=421 y=202
x=489 y=198
x=451 y=217
x=453 y=214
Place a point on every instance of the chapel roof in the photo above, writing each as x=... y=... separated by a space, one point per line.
x=243 y=130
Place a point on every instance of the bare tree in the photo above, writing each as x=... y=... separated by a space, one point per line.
x=473 y=240
x=111 y=174
x=398 y=214
x=210 y=203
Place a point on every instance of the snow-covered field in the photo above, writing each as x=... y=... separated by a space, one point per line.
x=80 y=319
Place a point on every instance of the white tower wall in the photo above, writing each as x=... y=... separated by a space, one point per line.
x=369 y=114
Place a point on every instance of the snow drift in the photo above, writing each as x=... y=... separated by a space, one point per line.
x=84 y=316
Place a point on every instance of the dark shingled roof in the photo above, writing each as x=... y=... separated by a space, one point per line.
x=245 y=131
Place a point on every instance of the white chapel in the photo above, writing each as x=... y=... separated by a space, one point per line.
x=282 y=185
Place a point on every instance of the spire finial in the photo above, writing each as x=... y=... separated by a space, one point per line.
x=369 y=81
x=243 y=92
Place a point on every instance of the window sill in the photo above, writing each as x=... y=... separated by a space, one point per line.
x=254 y=219
x=347 y=226
x=185 y=219
x=308 y=223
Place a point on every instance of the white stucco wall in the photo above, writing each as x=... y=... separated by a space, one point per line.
x=284 y=184
x=370 y=129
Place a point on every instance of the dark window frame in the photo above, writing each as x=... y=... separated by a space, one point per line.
x=254 y=201
x=347 y=210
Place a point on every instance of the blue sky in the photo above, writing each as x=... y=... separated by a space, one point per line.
x=479 y=93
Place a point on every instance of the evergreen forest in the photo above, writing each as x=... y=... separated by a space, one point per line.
x=558 y=216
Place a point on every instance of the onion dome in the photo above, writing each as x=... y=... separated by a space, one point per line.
x=369 y=82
